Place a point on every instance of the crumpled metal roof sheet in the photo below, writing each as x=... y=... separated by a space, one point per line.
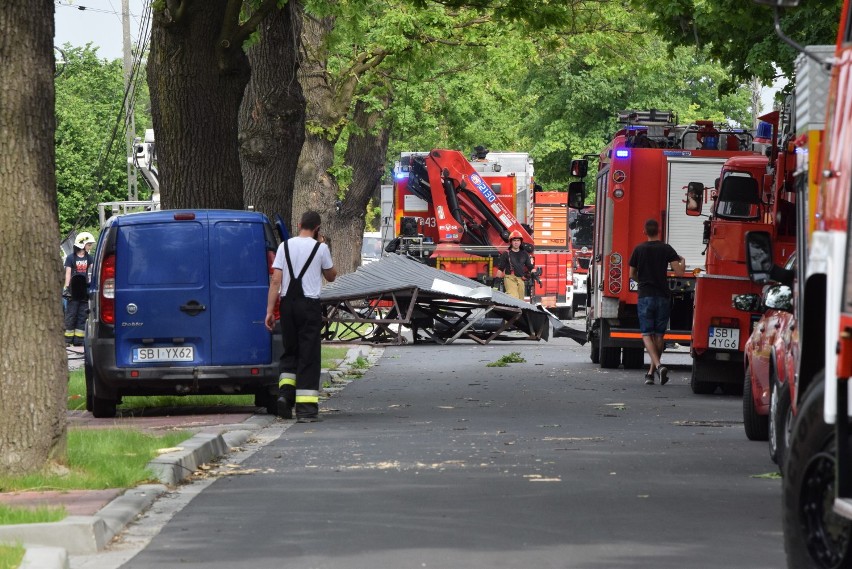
x=400 y=273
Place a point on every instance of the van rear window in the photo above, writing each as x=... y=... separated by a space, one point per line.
x=163 y=253
x=239 y=252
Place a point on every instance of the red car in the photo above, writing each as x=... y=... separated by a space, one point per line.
x=771 y=353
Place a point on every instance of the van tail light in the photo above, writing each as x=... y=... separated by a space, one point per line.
x=106 y=294
x=270 y=258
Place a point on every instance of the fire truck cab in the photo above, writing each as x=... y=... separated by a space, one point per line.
x=754 y=193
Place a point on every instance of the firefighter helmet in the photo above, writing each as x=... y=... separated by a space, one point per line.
x=83 y=239
x=516 y=235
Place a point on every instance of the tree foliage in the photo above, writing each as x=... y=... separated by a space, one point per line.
x=554 y=92
x=90 y=148
x=740 y=33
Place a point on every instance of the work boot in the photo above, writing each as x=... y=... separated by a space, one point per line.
x=286 y=400
x=285 y=408
x=307 y=413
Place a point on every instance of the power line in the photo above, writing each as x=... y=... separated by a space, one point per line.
x=120 y=120
x=81 y=8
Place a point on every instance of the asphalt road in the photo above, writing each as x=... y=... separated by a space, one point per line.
x=433 y=459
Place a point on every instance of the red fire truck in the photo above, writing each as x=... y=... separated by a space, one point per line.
x=755 y=193
x=643 y=173
x=421 y=209
x=462 y=228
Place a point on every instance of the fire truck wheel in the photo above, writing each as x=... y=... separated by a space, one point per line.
x=756 y=426
x=633 y=358
x=696 y=382
x=814 y=536
x=596 y=350
x=610 y=357
x=780 y=419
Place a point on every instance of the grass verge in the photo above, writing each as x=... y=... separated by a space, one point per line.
x=331 y=356
x=97 y=459
x=11 y=555
x=10 y=515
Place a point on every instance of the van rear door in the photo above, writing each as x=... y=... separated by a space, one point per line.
x=239 y=283
x=162 y=294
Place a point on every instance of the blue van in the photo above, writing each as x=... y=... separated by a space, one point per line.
x=177 y=305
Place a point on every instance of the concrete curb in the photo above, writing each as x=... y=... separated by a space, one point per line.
x=45 y=557
x=49 y=544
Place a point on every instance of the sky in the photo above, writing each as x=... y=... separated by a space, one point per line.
x=99 y=23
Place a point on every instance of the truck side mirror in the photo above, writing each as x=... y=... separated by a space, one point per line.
x=748 y=302
x=694 y=198
x=579 y=168
x=758 y=253
x=577 y=195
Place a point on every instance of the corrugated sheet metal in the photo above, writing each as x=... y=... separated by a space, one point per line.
x=401 y=274
x=398 y=272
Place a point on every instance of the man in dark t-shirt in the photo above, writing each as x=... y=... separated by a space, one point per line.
x=648 y=265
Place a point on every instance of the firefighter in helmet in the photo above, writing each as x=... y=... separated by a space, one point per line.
x=77 y=266
x=514 y=266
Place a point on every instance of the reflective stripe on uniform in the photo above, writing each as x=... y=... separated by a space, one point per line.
x=78 y=333
x=307 y=396
x=69 y=333
x=287 y=379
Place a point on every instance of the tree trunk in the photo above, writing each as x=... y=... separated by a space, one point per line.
x=316 y=187
x=33 y=365
x=365 y=154
x=196 y=82
x=272 y=116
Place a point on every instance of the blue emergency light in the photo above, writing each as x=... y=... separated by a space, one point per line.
x=622 y=153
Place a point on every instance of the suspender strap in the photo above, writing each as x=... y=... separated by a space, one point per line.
x=306 y=265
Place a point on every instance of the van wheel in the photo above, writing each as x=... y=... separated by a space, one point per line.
x=814 y=536
x=90 y=388
x=266 y=400
x=756 y=426
x=103 y=408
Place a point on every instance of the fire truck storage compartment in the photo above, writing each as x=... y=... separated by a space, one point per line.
x=553 y=273
x=550 y=226
x=683 y=232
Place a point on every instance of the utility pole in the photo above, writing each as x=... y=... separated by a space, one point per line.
x=129 y=121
